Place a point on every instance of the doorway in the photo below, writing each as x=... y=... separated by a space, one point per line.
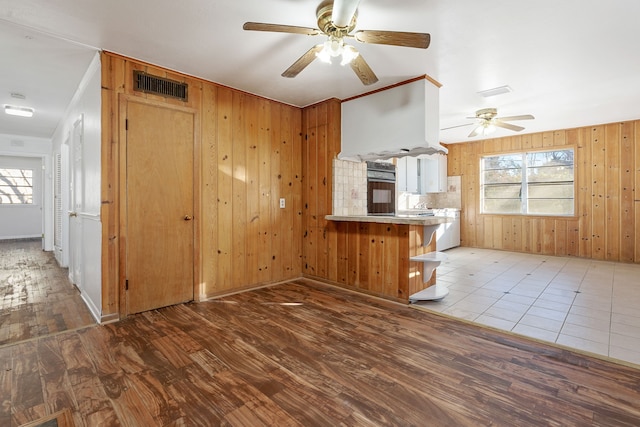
x=158 y=227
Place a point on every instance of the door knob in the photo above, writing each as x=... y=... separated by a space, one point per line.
x=188 y=217
x=73 y=214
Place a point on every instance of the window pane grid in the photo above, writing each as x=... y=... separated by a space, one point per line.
x=16 y=186
x=539 y=183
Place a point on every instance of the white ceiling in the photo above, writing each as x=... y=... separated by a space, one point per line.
x=570 y=63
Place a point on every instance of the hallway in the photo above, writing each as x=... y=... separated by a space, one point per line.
x=37 y=298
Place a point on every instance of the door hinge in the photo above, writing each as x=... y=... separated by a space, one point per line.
x=126 y=285
x=126 y=124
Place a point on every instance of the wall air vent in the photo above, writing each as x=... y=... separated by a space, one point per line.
x=143 y=82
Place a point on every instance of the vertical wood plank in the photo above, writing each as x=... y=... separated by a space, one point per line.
x=636 y=203
x=598 y=204
x=613 y=190
x=275 y=133
x=560 y=238
x=573 y=238
x=497 y=238
x=269 y=230
x=224 y=197
x=353 y=254
x=627 y=155
x=507 y=233
x=293 y=117
x=251 y=177
x=363 y=256
x=209 y=207
x=392 y=258
x=584 y=188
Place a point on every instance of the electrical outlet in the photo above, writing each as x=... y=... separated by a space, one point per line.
x=282 y=203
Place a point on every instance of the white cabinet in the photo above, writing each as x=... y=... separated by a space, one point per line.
x=407 y=174
x=423 y=174
x=433 y=174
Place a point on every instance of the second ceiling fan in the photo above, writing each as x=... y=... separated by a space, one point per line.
x=336 y=20
x=486 y=122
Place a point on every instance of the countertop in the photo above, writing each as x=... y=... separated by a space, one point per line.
x=401 y=219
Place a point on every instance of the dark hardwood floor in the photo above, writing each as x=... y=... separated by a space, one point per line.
x=36 y=297
x=306 y=354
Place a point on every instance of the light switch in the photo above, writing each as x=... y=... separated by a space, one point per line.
x=282 y=203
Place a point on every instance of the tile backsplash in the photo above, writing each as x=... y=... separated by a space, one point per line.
x=350 y=191
x=451 y=199
x=349 y=188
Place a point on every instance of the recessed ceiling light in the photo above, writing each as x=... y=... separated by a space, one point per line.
x=495 y=91
x=18 y=111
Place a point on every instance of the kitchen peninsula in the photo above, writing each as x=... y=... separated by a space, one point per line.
x=375 y=252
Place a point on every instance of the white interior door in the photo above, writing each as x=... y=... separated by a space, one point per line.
x=76 y=205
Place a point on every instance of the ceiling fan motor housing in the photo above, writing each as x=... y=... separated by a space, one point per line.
x=324 y=12
x=486 y=113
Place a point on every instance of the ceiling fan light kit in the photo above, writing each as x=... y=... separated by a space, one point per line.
x=337 y=19
x=334 y=48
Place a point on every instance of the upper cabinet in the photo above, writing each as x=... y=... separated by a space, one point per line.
x=399 y=121
x=407 y=174
x=433 y=174
x=422 y=174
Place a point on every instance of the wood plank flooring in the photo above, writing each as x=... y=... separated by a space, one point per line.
x=306 y=354
x=36 y=297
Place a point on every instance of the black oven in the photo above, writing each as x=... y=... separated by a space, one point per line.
x=381 y=188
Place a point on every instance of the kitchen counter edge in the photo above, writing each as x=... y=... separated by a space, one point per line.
x=418 y=220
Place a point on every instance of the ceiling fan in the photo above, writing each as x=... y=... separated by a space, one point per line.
x=487 y=122
x=336 y=20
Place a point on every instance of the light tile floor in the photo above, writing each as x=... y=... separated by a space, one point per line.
x=585 y=304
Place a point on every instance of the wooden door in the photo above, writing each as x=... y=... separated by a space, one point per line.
x=159 y=206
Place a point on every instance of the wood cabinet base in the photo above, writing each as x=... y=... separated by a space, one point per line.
x=372 y=258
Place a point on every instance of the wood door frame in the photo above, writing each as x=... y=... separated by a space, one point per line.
x=123 y=100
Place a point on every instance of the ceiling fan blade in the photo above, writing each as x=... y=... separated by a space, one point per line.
x=302 y=62
x=362 y=69
x=476 y=131
x=343 y=11
x=277 y=28
x=458 y=126
x=394 y=38
x=509 y=118
x=509 y=126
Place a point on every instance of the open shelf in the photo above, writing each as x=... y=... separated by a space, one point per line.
x=431 y=261
x=432 y=293
x=430 y=257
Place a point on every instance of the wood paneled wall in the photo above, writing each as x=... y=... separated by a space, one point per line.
x=250 y=153
x=321 y=144
x=607 y=180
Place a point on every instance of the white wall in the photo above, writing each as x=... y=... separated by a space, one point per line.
x=85 y=106
x=15 y=149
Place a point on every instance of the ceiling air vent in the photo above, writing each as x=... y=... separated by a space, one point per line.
x=147 y=83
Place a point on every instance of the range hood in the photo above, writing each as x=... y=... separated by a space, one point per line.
x=402 y=120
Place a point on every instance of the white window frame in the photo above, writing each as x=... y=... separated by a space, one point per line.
x=33 y=187
x=524 y=196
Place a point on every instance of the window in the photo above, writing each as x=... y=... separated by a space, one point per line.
x=16 y=186
x=533 y=183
